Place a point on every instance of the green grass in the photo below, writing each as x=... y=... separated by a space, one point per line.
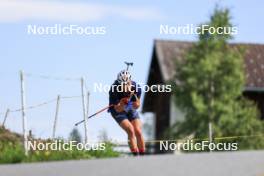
x=12 y=151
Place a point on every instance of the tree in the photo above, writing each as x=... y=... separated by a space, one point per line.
x=103 y=136
x=209 y=84
x=75 y=136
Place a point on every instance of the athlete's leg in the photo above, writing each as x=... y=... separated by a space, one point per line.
x=128 y=127
x=138 y=132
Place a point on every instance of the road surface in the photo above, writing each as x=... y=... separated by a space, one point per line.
x=250 y=163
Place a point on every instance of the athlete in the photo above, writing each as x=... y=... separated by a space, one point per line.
x=124 y=95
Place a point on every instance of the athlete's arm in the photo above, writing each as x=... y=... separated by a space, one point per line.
x=136 y=97
x=136 y=103
x=121 y=105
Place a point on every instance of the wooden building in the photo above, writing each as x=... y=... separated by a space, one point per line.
x=162 y=69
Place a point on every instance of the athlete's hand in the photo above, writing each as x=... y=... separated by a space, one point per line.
x=136 y=104
x=120 y=107
x=124 y=101
x=128 y=107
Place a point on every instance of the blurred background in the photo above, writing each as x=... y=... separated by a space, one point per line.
x=54 y=64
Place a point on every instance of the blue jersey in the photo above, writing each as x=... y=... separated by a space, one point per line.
x=115 y=95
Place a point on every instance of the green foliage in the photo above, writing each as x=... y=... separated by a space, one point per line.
x=209 y=88
x=108 y=152
x=75 y=135
x=51 y=155
x=12 y=151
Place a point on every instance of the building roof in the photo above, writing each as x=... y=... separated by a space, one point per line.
x=168 y=50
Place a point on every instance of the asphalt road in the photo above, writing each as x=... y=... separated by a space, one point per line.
x=249 y=163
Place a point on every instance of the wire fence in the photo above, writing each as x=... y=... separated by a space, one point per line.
x=51 y=77
x=84 y=93
x=117 y=143
x=41 y=104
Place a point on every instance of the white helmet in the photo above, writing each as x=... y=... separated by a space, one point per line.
x=124 y=77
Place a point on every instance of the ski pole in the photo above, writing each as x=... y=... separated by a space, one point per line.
x=129 y=64
x=76 y=124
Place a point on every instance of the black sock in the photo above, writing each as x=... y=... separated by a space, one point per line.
x=141 y=153
x=135 y=153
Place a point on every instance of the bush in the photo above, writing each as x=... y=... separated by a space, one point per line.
x=108 y=152
x=36 y=156
x=11 y=153
x=14 y=153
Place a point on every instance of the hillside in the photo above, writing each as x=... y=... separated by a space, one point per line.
x=8 y=136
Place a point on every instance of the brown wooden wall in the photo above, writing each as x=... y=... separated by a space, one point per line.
x=257 y=97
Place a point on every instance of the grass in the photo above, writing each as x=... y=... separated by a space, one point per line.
x=12 y=151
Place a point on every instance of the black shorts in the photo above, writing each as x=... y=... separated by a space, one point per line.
x=119 y=117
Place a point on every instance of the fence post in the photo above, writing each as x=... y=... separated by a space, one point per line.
x=24 y=119
x=84 y=111
x=56 y=117
x=87 y=103
x=6 y=114
x=210 y=132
